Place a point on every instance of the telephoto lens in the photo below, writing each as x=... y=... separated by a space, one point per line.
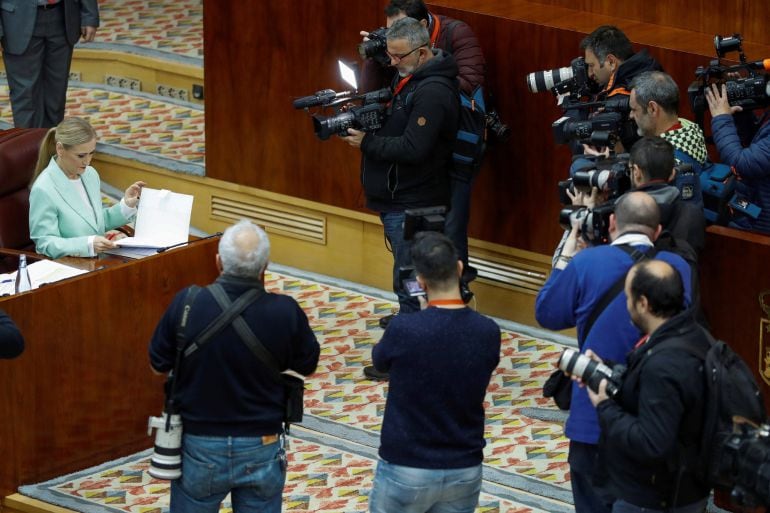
x=166 y=460
x=541 y=81
x=589 y=371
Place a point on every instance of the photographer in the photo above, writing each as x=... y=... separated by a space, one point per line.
x=433 y=428
x=656 y=420
x=11 y=341
x=586 y=285
x=652 y=170
x=455 y=37
x=654 y=103
x=751 y=162
x=405 y=164
x=232 y=407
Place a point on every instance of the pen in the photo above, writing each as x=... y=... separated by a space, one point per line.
x=9 y=280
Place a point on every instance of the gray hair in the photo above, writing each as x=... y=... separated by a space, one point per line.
x=658 y=87
x=411 y=30
x=244 y=250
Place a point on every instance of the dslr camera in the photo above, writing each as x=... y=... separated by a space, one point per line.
x=377 y=46
x=592 y=372
x=747 y=86
x=744 y=463
x=572 y=81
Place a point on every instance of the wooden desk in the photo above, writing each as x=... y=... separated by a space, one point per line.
x=83 y=389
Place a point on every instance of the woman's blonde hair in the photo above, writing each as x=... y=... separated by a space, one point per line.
x=70 y=132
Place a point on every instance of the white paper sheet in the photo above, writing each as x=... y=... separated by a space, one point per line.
x=40 y=273
x=163 y=219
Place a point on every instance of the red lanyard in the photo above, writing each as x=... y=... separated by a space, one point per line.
x=436 y=29
x=446 y=302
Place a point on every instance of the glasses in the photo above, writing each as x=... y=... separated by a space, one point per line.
x=397 y=58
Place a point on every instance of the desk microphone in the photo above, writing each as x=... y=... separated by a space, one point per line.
x=161 y=250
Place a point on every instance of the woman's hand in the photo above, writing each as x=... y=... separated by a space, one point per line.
x=102 y=244
x=131 y=197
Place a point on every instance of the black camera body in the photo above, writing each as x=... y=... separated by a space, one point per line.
x=572 y=81
x=746 y=86
x=377 y=46
x=593 y=223
x=745 y=464
x=368 y=116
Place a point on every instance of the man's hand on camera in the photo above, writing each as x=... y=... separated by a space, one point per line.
x=596 y=152
x=598 y=397
x=354 y=137
x=571 y=247
x=716 y=97
x=365 y=35
x=580 y=198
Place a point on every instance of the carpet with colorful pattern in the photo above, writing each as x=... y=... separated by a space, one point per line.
x=334 y=451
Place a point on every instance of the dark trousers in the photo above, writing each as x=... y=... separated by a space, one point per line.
x=588 y=497
x=459 y=214
x=393 y=223
x=38 y=77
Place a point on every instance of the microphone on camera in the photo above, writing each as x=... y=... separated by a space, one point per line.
x=322 y=97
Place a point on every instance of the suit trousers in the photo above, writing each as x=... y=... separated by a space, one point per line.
x=38 y=77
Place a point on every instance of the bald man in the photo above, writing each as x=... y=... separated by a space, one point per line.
x=231 y=406
x=660 y=405
x=585 y=290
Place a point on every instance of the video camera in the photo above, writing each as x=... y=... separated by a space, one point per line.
x=572 y=81
x=367 y=116
x=746 y=86
x=603 y=127
x=610 y=175
x=428 y=219
x=745 y=464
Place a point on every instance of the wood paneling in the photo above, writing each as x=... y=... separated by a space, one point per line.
x=734 y=272
x=81 y=392
x=259 y=59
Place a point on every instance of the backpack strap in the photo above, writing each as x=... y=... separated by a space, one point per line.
x=616 y=288
x=229 y=313
x=246 y=333
x=181 y=342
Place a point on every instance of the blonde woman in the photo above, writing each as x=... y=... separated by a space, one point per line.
x=66 y=216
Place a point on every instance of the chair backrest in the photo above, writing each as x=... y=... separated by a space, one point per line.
x=18 y=154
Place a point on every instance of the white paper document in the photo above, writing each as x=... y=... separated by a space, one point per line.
x=40 y=273
x=163 y=220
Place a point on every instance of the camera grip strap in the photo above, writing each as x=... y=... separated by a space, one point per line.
x=181 y=341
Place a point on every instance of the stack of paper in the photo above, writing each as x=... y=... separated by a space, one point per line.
x=162 y=220
x=40 y=273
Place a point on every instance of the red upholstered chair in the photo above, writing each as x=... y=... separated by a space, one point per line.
x=18 y=155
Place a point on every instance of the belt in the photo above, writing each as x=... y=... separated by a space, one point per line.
x=48 y=7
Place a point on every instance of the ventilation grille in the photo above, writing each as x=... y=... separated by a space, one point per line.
x=284 y=222
x=520 y=277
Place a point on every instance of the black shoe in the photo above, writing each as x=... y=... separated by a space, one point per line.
x=384 y=321
x=375 y=375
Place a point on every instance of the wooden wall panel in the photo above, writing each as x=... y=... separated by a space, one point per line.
x=258 y=60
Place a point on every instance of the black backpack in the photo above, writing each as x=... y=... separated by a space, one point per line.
x=731 y=391
x=471 y=139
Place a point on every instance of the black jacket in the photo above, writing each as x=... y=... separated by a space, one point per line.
x=635 y=65
x=656 y=419
x=683 y=219
x=406 y=163
x=11 y=341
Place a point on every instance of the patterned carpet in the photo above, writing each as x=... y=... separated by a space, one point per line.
x=333 y=453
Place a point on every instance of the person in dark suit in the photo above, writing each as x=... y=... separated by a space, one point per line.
x=38 y=37
x=11 y=341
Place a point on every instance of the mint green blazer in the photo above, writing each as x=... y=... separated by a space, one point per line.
x=59 y=222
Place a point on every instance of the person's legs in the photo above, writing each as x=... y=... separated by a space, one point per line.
x=56 y=67
x=393 y=224
x=456 y=227
x=588 y=497
x=404 y=489
x=460 y=493
x=205 y=475
x=24 y=76
x=259 y=474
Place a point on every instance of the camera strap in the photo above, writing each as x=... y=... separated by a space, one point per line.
x=181 y=341
x=616 y=288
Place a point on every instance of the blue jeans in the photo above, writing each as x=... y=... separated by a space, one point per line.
x=214 y=466
x=393 y=223
x=458 y=216
x=416 y=490
x=622 y=506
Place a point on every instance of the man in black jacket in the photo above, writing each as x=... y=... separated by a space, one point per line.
x=657 y=417
x=405 y=164
x=231 y=405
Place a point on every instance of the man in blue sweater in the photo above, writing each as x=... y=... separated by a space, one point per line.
x=232 y=409
x=440 y=360
x=576 y=286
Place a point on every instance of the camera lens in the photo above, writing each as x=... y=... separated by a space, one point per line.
x=589 y=371
x=540 y=81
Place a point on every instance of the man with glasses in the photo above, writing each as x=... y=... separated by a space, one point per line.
x=405 y=164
